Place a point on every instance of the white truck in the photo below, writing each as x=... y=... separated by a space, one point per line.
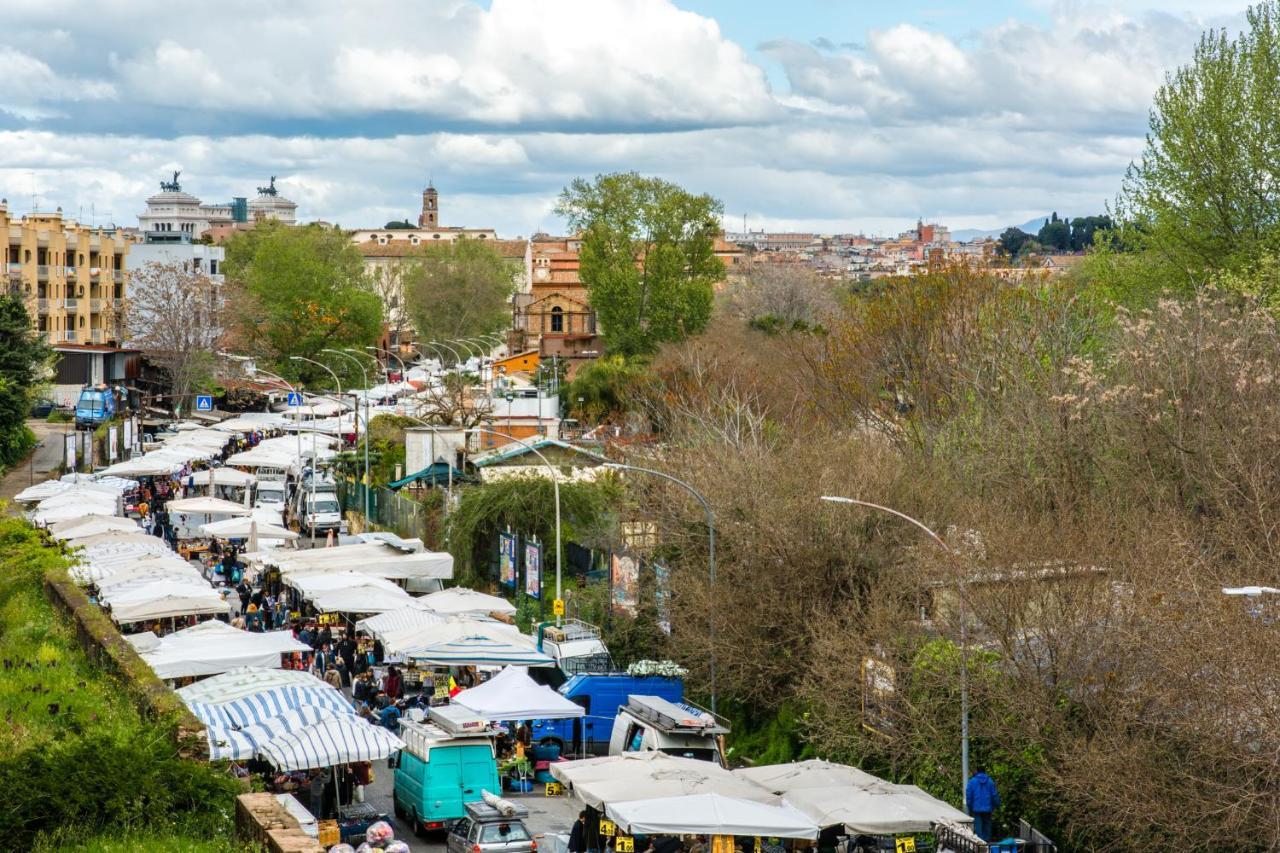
x=677 y=728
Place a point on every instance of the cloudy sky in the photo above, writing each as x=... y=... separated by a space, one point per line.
x=830 y=115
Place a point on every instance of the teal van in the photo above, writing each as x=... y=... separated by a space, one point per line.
x=448 y=759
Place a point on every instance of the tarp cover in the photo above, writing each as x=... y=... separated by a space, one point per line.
x=208 y=506
x=92 y=525
x=338 y=740
x=243 y=528
x=246 y=681
x=164 y=598
x=710 y=814
x=412 y=616
x=240 y=744
x=649 y=775
x=258 y=707
x=214 y=646
x=513 y=695
x=833 y=794
x=463 y=600
x=471 y=643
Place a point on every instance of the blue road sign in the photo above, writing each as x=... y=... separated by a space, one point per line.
x=204 y=403
x=295 y=399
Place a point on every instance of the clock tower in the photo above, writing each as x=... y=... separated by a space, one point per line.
x=430 y=216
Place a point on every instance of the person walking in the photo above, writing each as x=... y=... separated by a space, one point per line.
x=981 y=799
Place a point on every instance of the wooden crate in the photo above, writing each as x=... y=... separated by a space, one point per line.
x=329 y=834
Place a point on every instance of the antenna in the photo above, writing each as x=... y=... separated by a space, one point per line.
x=33 y=191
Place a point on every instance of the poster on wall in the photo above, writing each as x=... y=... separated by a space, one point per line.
x=507 y=559
x=70 y=452
x=625 y=583
x=113 y=435
x=533 y=570
x=662 y=595
x=128 y=435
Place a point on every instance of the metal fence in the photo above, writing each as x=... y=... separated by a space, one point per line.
x=387 y=509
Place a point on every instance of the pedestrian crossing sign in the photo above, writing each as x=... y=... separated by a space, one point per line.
x=204 y=403
x=295 y=399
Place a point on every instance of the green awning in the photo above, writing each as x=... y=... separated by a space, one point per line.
x=435 y=474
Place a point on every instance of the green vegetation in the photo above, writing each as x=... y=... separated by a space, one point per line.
x=82 y=769
x=647 y=257
x=21 y=354
x=458 y=289
x=604 y=387
x=60 y=416
x=297 y=291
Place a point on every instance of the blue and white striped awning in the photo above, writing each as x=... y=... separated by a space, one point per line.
x=240 y=744
x=478 y=651
x=338 y=740
x=261 y=707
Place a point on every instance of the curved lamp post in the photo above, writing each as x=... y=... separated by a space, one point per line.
x=964 y=638
x=365 y=374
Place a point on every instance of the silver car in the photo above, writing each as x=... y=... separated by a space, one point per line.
x=485 y=829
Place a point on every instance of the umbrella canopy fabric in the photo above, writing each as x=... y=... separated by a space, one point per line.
x=513 y=695
x=208 y=506
x=360 y=600
x=213 y=647
x=832 y=794
x=405 y=618
x=710 y=814
x=222 y=477
x=243 y=528
x=164 y=598
x=240 y=744
x=378 y=559
x=91 y=526
x=469 y=642
x=649 y=775
x=45 y=517
x=78 y=496
x=338 y=740
x=262 y=706
x=463 y=600
x=246 y=681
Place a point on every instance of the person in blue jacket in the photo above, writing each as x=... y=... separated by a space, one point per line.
x=981 y=798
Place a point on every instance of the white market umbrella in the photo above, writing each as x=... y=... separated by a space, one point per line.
x=213 y=647
x=513 y=695
x=246 y=681
x=463 y=600
x=207 y=506
x=66 y=513
x=240 y=744
x=223 y=477
x=710 y=814
x=337 y=740
x=92 y=526
x=410 y=617
x=649 y=775
x=164 y=598
x=245 y=528
x=477 y=644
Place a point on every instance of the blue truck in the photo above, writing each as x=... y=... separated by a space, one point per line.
x=600 y=695
x=97 y=405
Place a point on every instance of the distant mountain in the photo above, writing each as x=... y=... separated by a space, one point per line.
x=964 y=235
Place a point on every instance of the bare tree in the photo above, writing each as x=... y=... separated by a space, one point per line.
x=790 y=296
x=176 y=316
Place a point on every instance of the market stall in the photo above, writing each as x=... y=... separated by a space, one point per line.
x=245 y=742
x=460 y=600
x=163 y=599
x=245 y=681
x=650 y=775
x=213 y=647
x=257 y=707
x=513 y=695
x=710 y=814
x=467 y=642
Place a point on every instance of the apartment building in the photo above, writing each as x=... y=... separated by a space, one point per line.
x=72 y=277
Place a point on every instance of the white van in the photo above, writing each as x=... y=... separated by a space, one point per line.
x=321 y=511
x=270 y=493
x=651 y=723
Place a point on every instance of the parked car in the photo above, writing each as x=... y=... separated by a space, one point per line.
x=42 y=408
x=487 y=829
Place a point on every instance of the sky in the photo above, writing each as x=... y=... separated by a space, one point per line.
x=814 y=115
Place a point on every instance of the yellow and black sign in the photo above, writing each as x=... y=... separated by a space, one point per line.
x=554 y=789
x=608 y=828
x=329 y=619
x=624 y=844
x=759 y=846
x=557 y=607
x=906 y=844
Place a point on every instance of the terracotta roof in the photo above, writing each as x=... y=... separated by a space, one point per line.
x=406 y=249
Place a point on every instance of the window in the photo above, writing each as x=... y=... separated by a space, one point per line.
x=492 y=833
x=557 y=319
x=213 y=267
x=435 y=236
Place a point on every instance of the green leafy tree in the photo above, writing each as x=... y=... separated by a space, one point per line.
x=298 y=291
x=1204 y=197
x=22 y=353
x=647 y=257
x=1012 y=241
x=458 y=289
x=1055 y=234
x=605 y=388
x=1083 y=229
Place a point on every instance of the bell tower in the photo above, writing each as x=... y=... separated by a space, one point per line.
x=430 y=216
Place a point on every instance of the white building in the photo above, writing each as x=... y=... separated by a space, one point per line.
x=193 y=256
x=172 y=211
x=271 y=205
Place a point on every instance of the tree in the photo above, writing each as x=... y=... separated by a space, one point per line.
x=1084 y=227
x=1204 y=195
x=783 y=297
x=298 y=291
x=22 y=353
x=177 y=317
x=458 y=289
x=1012 y=241
x=647 y=257
x=1055 y=234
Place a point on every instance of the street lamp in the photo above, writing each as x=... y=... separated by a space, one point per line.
x=365 y=374
x=964 y=637
x=711 y=554
x=403 y=370
x=315 y=456
x=457 y=359
x=297 y=416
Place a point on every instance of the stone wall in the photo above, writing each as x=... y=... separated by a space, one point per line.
x=263 y=822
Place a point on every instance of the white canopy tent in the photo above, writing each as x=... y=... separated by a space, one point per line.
x=513 y=695
x=208 y=506
x=463 y=600
x=472 y=643
x=245 y=528
x=361 y=599
x=213 y=647
x=650 y=775
x=710 y=814
x=45 y=517
x=82 y=527
x=223 y=477
x=411 y=617
x=248 y=423
x=165 y=598
x=53 y=488
x=832 y=794
x=240 y=744
x=376 y=559
x=107 y=541
x=337 y=740
x=266 y=704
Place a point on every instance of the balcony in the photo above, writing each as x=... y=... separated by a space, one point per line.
x=118 y=304
x=70 y=272
x=118 y=275
x=69 y=335
x=98 y=336
x=42 y=305
x=42 y=272
x=15 y=270
x=70 y=304
x=96 y=305
x=94 y=272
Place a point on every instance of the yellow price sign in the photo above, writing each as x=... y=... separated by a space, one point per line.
x=554 y=789
x=759 y=847
x=624 y=844
x=904 y=845
x=608 y=828
x=557 y=607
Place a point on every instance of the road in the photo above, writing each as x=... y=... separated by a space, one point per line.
x=44 y=461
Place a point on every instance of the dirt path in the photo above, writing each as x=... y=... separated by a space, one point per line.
x=43 y=462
